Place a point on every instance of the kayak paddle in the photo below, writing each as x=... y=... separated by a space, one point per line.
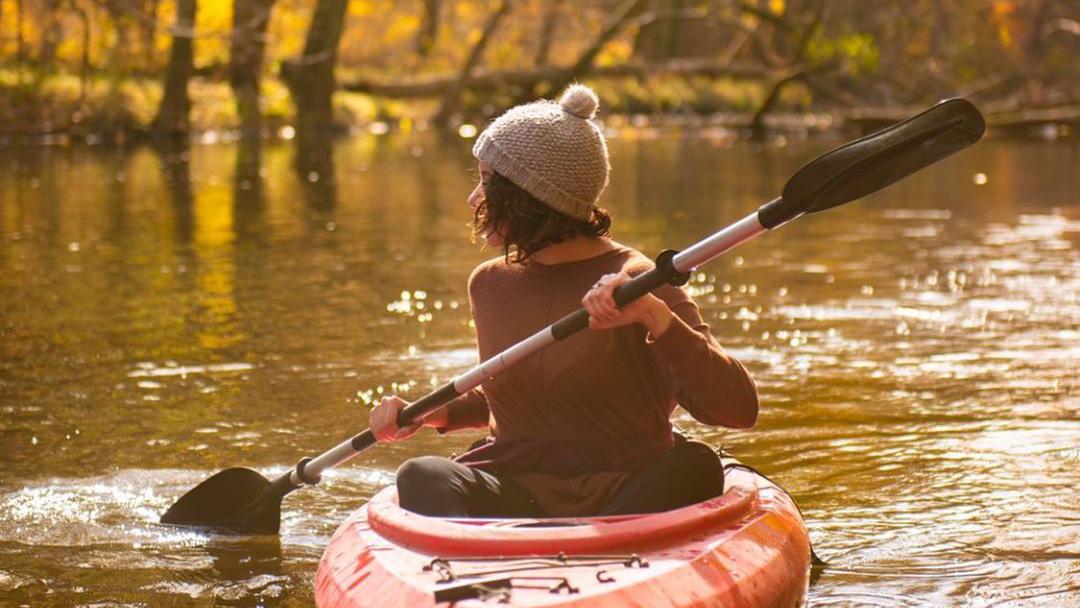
x=241 y=500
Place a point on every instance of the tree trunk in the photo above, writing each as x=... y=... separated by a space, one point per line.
x=310 y=77
x=172 y=119
x=246 y=50
x=452 y=97
x=84 y=63
x=20 y=42
x=50 y=36
x=669 y=34
x=547 y=33
x=429 y=28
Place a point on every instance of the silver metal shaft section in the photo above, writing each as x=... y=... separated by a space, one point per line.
x=728 y=238
x=689 y=259
x=335 y=456
x=495 y=365
x=344 y=451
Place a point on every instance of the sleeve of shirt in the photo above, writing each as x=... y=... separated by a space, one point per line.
x=711 y=385
x=467 y=411
x=471 y=409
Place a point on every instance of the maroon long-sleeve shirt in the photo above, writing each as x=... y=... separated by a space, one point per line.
x=573 y=422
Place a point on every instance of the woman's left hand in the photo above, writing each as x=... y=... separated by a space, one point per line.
x=648 y=310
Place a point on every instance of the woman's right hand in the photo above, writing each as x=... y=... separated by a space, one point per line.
x=383 y=420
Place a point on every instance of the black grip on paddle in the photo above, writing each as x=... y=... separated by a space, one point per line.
x=570 y=324
x=427 y=404
x=417 y=409
x=664 y=273
x=665 y=263
x=773 y=213
x=363 y=441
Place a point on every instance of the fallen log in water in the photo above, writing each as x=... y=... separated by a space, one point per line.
x=482 y=80
x=1011 y=119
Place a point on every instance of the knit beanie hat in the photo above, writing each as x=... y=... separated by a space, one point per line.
x=551 y=150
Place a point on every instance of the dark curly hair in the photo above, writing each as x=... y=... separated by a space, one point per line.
x=526 y=224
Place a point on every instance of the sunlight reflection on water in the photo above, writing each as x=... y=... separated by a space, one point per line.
x=916 y=355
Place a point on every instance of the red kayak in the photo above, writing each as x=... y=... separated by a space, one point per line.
x=748 y=547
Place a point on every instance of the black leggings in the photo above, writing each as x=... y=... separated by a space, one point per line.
x=688 y=473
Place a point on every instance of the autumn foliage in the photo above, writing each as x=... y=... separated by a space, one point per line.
x=136 y=67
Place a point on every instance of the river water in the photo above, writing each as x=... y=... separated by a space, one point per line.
x=164 y=316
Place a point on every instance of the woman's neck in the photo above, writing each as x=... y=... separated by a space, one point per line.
x=577 y=248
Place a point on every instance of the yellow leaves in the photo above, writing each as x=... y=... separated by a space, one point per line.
x=1004 y=35
x=1003 y=7
x=361 y=9
x=615 y=52
x=1004 y=13
x=474 y=35
x=287 y=30
x=380 y=42
x=505 y=54
x=860 y=51
x=213 y=27
x=215 y=15
x=401 y=27
x=70 y=48
x=378 y=35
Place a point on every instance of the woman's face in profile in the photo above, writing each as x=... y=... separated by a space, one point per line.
x=476 y=198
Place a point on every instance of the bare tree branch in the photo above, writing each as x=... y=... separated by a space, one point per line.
x=547 y=32
x=84 y=60
x=585 y=60
x=452 y=95
x=429 y=28
x=803 y=41
x=486 y=81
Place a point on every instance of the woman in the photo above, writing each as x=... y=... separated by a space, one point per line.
x=581 y=428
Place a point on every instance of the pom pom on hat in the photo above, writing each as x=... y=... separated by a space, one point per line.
x=580 y=101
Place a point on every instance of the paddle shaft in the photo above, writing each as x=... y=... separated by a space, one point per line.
x=671 y=268
x=839 y=176
x=240 y=499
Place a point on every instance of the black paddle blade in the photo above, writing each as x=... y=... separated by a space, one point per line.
x=235 y=500
x=869 y=164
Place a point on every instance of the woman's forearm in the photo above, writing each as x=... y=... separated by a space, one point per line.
x=437 y=419
x=656 y=317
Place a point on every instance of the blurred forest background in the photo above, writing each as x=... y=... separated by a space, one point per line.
x=115 y=71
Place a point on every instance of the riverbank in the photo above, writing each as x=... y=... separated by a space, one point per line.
x=66 y=109
x=63 y=108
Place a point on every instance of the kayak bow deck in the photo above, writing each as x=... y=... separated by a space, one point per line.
x=748 y=547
